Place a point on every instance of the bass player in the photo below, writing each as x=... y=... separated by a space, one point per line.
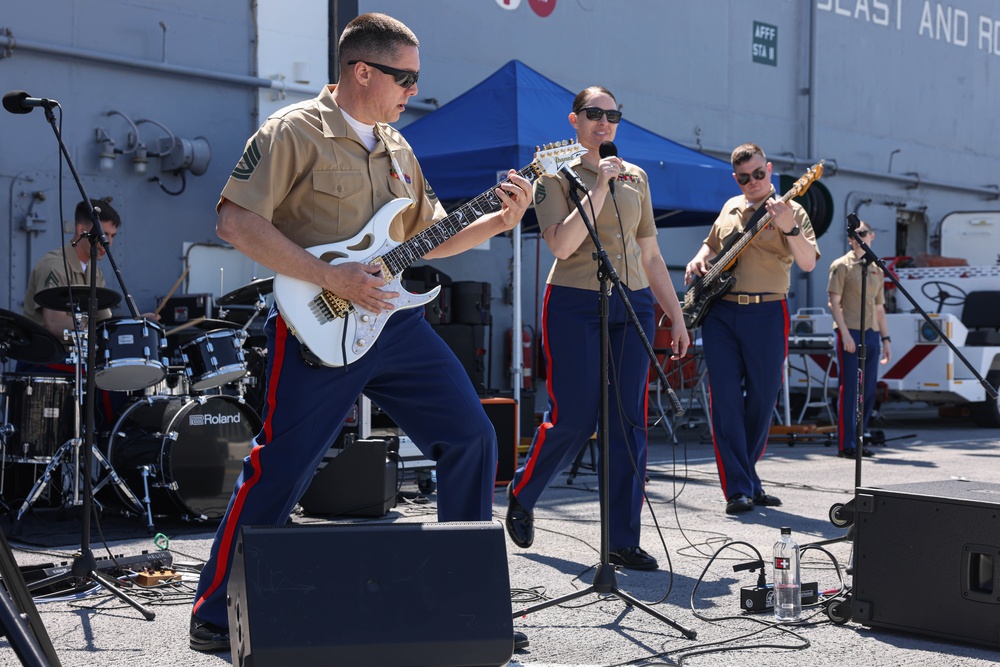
x=745 y=332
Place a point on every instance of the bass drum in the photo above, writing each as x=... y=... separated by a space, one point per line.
x=190 y=449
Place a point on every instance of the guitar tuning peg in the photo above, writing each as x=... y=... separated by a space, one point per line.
x=537 y=148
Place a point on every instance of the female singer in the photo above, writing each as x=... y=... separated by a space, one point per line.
x=618 y=202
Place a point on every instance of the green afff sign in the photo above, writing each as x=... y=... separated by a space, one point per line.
x=765 y=43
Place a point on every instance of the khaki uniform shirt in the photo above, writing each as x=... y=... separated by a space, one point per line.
x=307 y=171
x=845 y=280
x=50 y=272
x=552 y=205
x=765 y=264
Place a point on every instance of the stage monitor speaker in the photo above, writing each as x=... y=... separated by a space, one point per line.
x=503 y=414
x=927 y=559
x=358 y=481
x=374 y=594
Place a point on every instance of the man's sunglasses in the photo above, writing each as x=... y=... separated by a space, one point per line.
x=758 y=175
x=595 y=113
x=862 y=233
x=404 y=78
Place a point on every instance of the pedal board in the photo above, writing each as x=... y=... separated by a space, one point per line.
x=156 y=562
x=756 y=600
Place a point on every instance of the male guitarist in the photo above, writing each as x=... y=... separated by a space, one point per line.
x=745 y=332
x=316 y=173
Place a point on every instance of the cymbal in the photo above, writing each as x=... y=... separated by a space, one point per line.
x=58 y=298
x=248 y=294
x=24 y=340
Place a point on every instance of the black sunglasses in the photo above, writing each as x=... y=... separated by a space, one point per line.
x=758 y=175
x=404 y=78
x=595 y=113
x=862 y=233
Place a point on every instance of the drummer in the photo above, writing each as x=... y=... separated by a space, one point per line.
x=69 y=266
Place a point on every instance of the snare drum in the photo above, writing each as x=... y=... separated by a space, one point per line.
x=214 y=359
x=129 y=355
x=40 y=413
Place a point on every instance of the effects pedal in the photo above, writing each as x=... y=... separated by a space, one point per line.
x=759 y=599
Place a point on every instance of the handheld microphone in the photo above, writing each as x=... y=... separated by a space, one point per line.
x=573 y=178
x=18 y=101
x=608 y=149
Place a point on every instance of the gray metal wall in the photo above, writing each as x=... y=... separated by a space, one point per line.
x=174 y=59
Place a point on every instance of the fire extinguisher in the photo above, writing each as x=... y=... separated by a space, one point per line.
x=527 y=357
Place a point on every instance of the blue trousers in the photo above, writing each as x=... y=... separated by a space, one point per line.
x=745 y=347
x=847 y=403
x=571 y=333
x=412 y=375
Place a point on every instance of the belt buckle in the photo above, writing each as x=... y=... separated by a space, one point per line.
x=743 y=299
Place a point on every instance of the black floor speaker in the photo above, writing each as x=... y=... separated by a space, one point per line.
x=373 y=594
x=927 y=559
x=358 y=481
x=503 y=414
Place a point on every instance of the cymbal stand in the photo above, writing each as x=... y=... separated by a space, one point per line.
x=84 y=563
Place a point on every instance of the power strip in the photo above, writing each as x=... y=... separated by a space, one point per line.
x=757 y=599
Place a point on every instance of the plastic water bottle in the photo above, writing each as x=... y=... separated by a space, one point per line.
x=787 y=584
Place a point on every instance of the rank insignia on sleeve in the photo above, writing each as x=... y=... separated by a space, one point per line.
x=539 y=193
x=429 y=192
x=245 y=167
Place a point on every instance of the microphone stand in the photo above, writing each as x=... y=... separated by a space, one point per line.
x=605 y=579
x=84 y=564
x=842 y=515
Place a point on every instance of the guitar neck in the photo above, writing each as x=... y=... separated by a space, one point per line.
x=723 y=263
x=422 y=243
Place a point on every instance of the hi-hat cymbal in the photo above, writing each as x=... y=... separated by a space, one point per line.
x=24 y=340
x=248 y=294
x=67 y=299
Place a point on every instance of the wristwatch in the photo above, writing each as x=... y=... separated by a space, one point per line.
x=886 y=339
x=796 y=230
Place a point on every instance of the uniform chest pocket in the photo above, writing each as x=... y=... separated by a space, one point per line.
x=338 y=184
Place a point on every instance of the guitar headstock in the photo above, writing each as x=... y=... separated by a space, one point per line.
x=549 y=158
x=800 y=186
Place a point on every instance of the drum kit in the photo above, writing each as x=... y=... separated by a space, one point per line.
x=187 y=404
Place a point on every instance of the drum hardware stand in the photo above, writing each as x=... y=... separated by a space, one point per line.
x=84 y=564
x=605 y=580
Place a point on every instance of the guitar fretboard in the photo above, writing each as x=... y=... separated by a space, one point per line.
x=423 y=242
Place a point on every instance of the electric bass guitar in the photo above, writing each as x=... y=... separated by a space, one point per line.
x=337 y=331
x=719 y=279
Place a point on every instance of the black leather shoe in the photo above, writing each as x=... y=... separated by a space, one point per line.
x=738 y=504
x=208 y=637
x=520 y=523
x=766 y=500
x=633 y=558
x=520 y=641
x=849 y=453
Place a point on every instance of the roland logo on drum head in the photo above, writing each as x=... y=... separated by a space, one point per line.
x=208 y=420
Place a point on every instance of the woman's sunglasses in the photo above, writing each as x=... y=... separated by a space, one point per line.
x=404 y=78
x=595 y=113
x=758 y=175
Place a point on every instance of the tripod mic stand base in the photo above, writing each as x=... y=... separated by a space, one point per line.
x=606 y=583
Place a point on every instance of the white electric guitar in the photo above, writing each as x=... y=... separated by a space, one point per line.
x=337 y=331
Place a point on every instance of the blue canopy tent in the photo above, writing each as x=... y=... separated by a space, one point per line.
x=499 y=123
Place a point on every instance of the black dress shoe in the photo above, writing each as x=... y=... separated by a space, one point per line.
x=766 y=500
x=520 y=523
x=520 y=641
x=633 y=558
x=850 y=453
x=738 y=504
x=208 y=637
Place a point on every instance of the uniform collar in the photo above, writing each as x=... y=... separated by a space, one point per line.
x=334 y=123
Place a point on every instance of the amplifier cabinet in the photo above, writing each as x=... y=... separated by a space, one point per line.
x=927 y=559
x=503 y=414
